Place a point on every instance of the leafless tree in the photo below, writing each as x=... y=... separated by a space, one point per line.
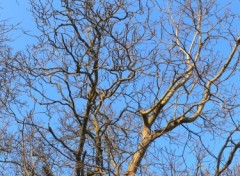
x=9 y=100
x=129 y=88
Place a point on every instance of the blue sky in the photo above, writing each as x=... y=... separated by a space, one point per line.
x=17 y=13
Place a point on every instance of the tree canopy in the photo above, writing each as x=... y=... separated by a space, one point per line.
x=122 y=88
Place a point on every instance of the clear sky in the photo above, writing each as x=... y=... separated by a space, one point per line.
x=17 y=12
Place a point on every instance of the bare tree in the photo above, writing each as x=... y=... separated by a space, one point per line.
x=9 y=100
x=130 y=88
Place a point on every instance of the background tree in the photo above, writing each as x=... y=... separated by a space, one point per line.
x=130 y=88
x=10 y=138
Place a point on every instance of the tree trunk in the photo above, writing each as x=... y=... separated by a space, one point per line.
x=138 y=155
